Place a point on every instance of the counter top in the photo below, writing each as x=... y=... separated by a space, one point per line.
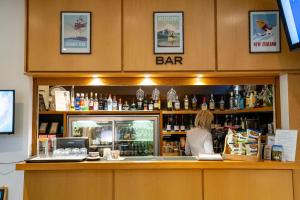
x=94 y=165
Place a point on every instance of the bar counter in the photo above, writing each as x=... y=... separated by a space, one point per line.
x=93 y=165
x=160 y=180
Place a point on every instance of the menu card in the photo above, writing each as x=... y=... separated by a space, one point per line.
x=62 y=100
x=288 y=140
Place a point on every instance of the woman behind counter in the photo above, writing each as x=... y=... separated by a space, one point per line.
x=199 y=139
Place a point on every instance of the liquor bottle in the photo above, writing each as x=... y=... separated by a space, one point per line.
x=150 y=105
x=222 y=103
x=145 y=103
x=109 y=103
x=159 y=103
x=237 y=100
x=126 y=106
x=204 y=104
x=243 y=125
x=252 y=100
x=242 y=102
x=105 y=106
x=96 y=103
x=211 y=103
x=77 y=101
x=155 y=98
x=120 y=106
x=169 y=126
x=169 y=104
x=226 y=123
x=101 y=103
x=177 y=103
x=114 y=103
x=256 y=99
x=194 y=103
x=133 y=106
x=176 y=124
x=86 y=102
x=140 y=104
x=91 y=102
x=236 y=121
x=82 y=101
x=72 y=105
x=155 y=104
x=247 y=102
x=231 y=101
x=182 y=126
x=231 y=120
x=191 y=122
x=186 y=102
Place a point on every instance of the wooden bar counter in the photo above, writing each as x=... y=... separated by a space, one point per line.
x=155 y=180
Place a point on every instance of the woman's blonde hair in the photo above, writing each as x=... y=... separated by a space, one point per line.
x=204 y=119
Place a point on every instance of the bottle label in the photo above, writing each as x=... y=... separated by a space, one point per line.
x=169 y=127
x=150 y=106
x=182 y=127
x=176 y=128
x=186 y=105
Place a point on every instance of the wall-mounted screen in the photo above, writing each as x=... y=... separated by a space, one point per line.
x=290 y=14
x=7 y=110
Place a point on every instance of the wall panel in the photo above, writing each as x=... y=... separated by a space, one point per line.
x=233 y=39
x=199 y=34
x=43 y=52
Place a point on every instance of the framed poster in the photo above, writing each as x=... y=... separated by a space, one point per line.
x=264 y=32
x=168 y=32
x=75 y=33
x=3 y=193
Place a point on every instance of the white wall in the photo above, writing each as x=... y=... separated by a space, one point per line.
x=14 y=147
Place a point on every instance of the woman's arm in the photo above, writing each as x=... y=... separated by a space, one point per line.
x=187 y=147
x=208 y=145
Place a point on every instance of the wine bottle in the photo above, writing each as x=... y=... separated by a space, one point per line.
x=186 y=102
x=212 y=103
x=96 y=103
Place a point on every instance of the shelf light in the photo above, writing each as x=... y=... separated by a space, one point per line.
x=96 y=81
x=147 y=81
x=199 y=81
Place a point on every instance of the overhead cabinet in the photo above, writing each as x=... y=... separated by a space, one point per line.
x=43 y=36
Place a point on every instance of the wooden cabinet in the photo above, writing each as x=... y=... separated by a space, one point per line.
x=199 y=35
x=158 y=184
x=74 y=184
x=233 y=39
x=248 y=184
x=43 y=39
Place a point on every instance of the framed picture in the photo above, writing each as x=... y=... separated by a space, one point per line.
x=168 y=32
x=53 y=128
x=75 y=33
x=264 y=32
x=3 y=193
x=43 y=127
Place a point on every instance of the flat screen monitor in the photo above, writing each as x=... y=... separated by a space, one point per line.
x=7 y=111
x=290 y=14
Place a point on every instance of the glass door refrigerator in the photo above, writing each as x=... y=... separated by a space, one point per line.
x=133 y=135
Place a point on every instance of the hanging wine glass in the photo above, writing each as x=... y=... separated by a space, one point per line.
x=155 y=94
x=171 y=95
x=140 y=94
